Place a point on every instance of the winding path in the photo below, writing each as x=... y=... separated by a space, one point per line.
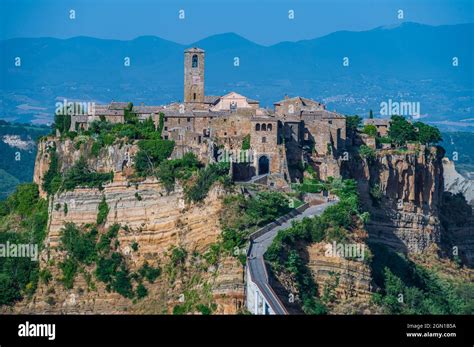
x=259 y=245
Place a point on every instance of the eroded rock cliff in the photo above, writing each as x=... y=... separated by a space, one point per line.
x=153 y=222
x=402 y=191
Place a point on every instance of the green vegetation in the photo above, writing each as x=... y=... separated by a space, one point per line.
x=454 y=211
x=151 y=153
x=408 y=288
x=370 y=130
x=205 y=179
x=310 y=184
x=62 y=122
x=367 y=153
x=79 y=245
x=52 y=178
x=171 y=170
x=242 y=216
x=335 y=224
x=353 y=123
x=376 y=193
x=402 y=131
x=246 y=143
x=149 y=273
x=79 y=175
x=23 y=220
x=103 y=211
x=178 y=256
x=427 y=134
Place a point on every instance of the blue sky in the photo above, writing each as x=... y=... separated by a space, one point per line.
x=265 y=22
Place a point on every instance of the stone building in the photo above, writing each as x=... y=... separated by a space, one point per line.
x=297 y=130
x=382 y=125
x=194 y=75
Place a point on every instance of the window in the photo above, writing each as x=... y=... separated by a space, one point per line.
x=188 y=119
x=166 y=119
x=264 y=139
x=269 y=127
x=194 y=96
x=166 y=128
x=257 y=127
x=225 y=134
x=195 y=61
x=264 y=127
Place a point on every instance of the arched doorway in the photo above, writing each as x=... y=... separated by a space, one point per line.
x=263 y=165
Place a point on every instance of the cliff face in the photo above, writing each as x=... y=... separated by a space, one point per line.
x=115 y=158
x=402 y=191
x=454 y=182
x=353 y=277
x=153 y=222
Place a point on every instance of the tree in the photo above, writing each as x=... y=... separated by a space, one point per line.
x=353 y=122
x=366 y=152
x=103 y=211
x=371 y=114
x=62 y=122
x=370 y=130
x=151 y=153
x=427 y=134
x=401 y=131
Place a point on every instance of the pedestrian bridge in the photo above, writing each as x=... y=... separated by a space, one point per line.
x=260 y=297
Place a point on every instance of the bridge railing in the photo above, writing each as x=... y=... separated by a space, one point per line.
x=278 y=221
x=264 y=230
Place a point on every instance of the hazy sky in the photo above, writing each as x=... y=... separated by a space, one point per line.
x=265 y=22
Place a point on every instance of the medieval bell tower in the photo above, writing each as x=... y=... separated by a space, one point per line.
x=194 y=75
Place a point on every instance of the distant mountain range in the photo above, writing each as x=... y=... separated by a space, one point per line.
x=409 y=62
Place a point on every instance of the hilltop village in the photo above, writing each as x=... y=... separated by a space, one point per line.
x=297 y=129
x=137 y=210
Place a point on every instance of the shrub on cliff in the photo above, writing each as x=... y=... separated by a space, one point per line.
x=80 y=245
x=79 y=175
x=150 y=273
x=23 y=221
x=52 y=179
x=150 y=154
x=370 y=130
x=170 y=170
x=205 y=179
x=367 y=153
x=103 y=211
x=427 y=134
x=408 y=288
